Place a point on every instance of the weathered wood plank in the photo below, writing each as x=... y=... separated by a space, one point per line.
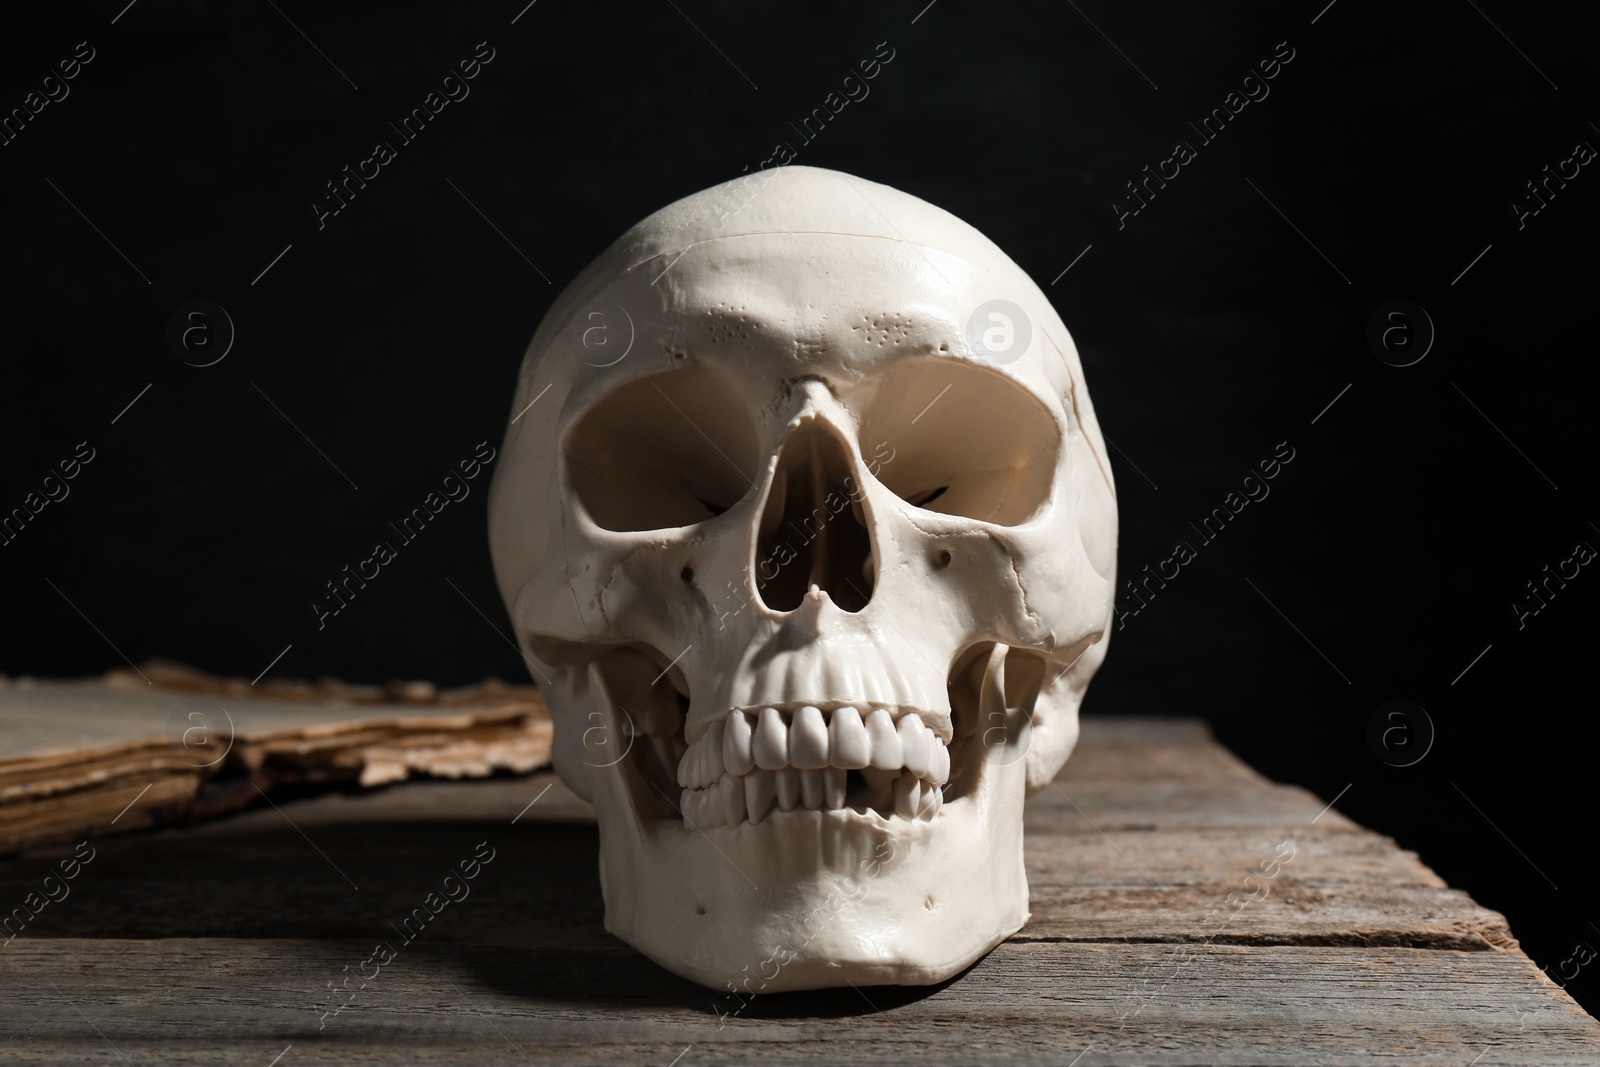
x=244 y=1001
x=1340 y=887
x=1123 y=804
x=552 y=897
x=218 y=943
x=1130 y=748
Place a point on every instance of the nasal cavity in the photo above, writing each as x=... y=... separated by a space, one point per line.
x=813 y=531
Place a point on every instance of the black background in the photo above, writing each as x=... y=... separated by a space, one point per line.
x=1211 y=330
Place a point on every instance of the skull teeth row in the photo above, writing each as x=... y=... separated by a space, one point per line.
x=809 y=741
x=733 y=800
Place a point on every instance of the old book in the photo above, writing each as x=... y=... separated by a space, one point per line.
x=167 y=744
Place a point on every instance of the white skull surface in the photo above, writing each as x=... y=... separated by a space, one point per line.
x=805 y=524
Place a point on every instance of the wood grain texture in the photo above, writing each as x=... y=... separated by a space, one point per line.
x=217 y=944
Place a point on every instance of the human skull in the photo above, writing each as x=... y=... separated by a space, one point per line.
x=806 y=529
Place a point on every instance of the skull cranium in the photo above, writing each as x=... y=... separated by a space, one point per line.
x=804 y=521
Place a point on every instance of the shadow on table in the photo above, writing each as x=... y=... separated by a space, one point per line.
x=530 y=925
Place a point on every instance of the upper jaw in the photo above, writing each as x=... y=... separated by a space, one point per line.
x=828 y=756
x=863 y=666
x=936 y=720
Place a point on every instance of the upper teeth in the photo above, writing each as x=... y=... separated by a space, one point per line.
x=748 y=761
x=810 y=742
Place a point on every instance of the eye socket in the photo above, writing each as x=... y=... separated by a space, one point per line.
x=962 y=439
x=666 y=450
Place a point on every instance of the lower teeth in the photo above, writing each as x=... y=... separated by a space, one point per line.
x=752 y=797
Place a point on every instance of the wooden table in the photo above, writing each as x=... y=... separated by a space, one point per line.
x=218 y=944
